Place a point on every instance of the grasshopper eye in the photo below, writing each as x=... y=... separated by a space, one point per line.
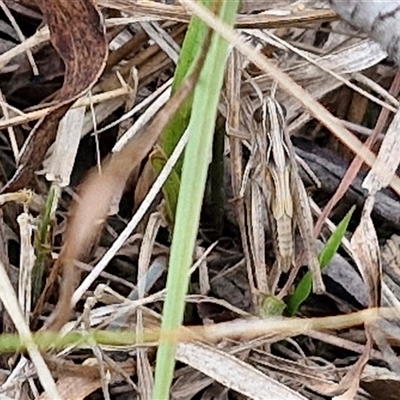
x=261 y=117
x=258 y=115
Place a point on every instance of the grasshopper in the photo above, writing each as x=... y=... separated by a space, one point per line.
x=277 y=193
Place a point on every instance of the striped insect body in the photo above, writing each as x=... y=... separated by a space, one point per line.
x=275 y=181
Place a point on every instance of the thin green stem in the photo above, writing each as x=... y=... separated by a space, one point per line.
x=43 y=241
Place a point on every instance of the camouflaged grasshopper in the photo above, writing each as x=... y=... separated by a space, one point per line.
x=276 y=192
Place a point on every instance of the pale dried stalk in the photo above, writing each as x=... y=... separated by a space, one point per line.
x=387 y=161
x=294 y=16
x=27 y=262
x=39 y=37
x=37 y=114
x=20 y=35
x=233 y=82
x=145 y=375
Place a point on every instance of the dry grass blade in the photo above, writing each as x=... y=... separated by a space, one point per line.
x=147 y=201
x=35 y=115
x=234 y=373
x=21 y=37
x=76 y=382
x=366 y=252
x=26 y=264
x=145 y=374
x=42 y=35
x=233 y=84
x=350 y=383
x=74 y=388
x=294 y=16
x=387 y=161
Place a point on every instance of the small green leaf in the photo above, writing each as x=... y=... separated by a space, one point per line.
x=303 y=289
x=332 y=245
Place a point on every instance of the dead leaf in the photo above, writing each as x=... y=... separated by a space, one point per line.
x=76 y=382
x=387 y=160
x=379 y=19
x=233 y=372
x=77 y=33
x=75 y=388
x=366 y=253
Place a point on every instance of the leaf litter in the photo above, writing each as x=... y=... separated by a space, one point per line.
x=318 y=63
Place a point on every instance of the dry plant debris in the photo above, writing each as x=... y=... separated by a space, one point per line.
x=308 y=99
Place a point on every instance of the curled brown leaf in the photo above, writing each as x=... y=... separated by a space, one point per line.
x=78 y=34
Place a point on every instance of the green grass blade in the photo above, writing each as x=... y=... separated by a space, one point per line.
x=191 y=49
x=194 y=174
x=303 y=289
